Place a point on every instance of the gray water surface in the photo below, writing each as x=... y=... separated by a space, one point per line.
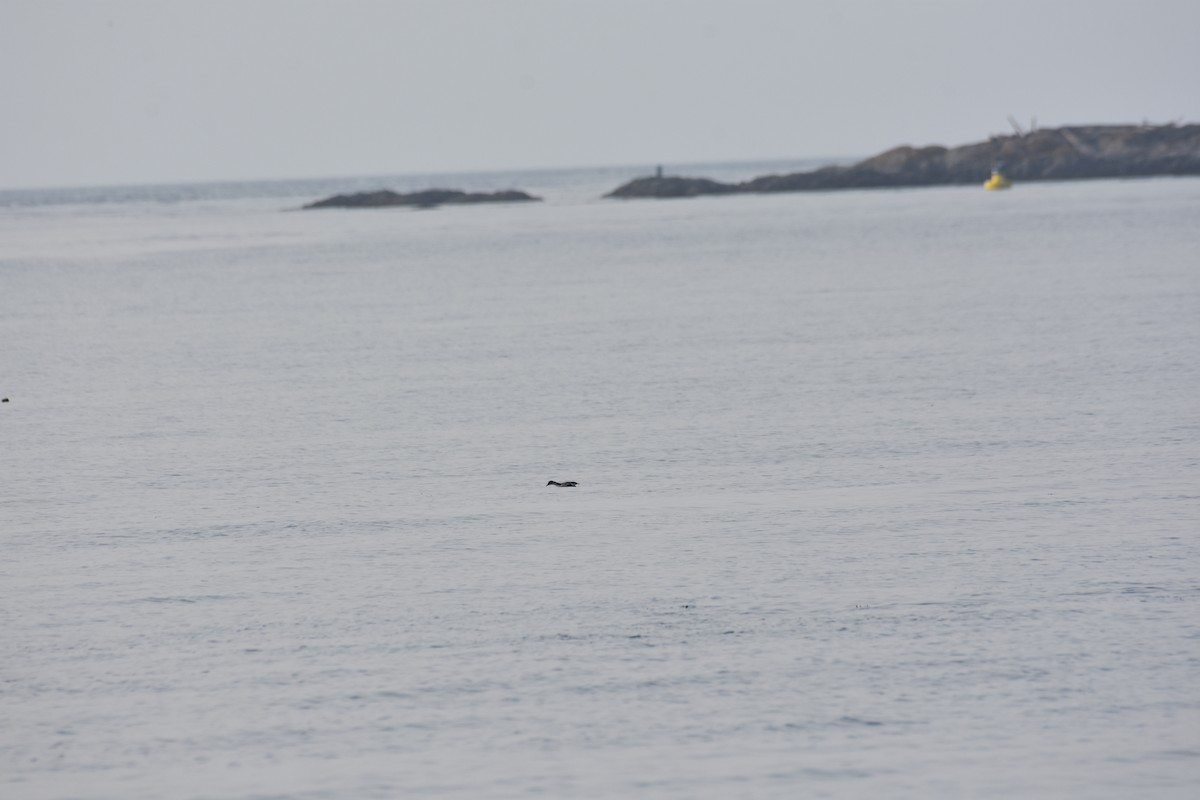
x=882 y=494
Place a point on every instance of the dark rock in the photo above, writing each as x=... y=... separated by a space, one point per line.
x=428 y=198
x=1070 y=153
x=659 y=186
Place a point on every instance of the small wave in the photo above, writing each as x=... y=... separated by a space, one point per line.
x=203 y=598
x=870 y=723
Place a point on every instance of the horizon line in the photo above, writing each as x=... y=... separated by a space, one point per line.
x=649 y=165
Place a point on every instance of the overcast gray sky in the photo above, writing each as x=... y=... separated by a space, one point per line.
x=129 y=92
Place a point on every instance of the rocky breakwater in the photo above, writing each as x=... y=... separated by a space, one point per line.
x=429 y=198
x=1069 y=153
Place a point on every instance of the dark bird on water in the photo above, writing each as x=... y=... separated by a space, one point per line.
x=564 y=483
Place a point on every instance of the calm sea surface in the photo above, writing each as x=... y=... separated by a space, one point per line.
x=881 y=494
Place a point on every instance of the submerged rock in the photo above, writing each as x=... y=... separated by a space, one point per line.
x=428 y=198
x=1069 y=153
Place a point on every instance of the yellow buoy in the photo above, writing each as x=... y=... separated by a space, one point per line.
x=997 y=181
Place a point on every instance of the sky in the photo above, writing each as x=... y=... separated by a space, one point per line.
x=107 y=92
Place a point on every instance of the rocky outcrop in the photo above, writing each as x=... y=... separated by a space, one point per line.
x=429 y=198
x=1071 y=153
x=671 y=187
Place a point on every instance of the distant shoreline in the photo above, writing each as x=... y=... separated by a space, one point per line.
x=1177 y=159
x=1047 y=154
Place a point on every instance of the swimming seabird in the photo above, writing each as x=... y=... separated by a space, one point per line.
x=564 y=483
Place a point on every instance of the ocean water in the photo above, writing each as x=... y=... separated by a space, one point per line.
x=881 y=494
